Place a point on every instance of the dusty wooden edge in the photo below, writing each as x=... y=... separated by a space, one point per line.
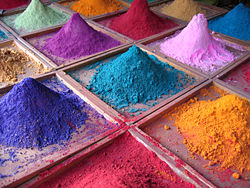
x=197 y=71
x=92 y=141
x=170 y=159
x=226 y=71
x=15 y=33
x=73 y=160
x=124 y=42
x=129 y=120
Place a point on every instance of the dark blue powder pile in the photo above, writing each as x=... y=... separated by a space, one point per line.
x=235 y=23
x=33 y=115
x=135 y=77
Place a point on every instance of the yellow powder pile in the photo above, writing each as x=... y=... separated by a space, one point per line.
x=13 y=63
x=182 y=9
x=96 y=7
x=217 y=130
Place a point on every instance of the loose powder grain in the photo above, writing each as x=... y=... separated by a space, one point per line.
x=76 y=39
x=140 y=22
x=125 y=163
x=37 y=16
x=13 y=63
x=196 y=47
x=182 y=9
x=217 y=130
x=96 y=7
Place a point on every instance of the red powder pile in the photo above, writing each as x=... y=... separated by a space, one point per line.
x=9 y=4
x=246 y=73
x=139 y=22
x=125 y=163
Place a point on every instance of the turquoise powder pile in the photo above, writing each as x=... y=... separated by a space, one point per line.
x=38 y=16
x=135 y=77
x=235 y=23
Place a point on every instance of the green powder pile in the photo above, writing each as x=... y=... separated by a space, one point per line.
x=38 y=16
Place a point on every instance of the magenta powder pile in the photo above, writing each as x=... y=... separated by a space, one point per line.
x=196 y=47
x=76 y=39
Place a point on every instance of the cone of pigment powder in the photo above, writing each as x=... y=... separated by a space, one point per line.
x=217 y=130
x=96 y=7
x=9 y=4
x=135 y=77
x=139 y=22
x=235 y=23
x=77 y=38
x=38 y=16
x=33 y=115
x=195 y=46
x=182 y=9
x=125 y=163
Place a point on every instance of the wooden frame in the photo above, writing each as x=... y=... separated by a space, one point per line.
x=72 y=146
x=171 y=161
x=98 y=102
x=197 y=71
x=124 y=41
x=177 y=148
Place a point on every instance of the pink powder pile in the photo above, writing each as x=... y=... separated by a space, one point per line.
x=125 y=163
x=196 y=47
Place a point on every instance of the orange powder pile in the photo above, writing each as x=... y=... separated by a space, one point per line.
x=182 y=9
x=96 y=7
x=217 y=130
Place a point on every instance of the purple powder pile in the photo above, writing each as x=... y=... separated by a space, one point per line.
x=76 y=39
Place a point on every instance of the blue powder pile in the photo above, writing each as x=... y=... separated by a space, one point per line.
x=33 y=115
x=135 y=77
x=3 y=36
x=235 y=23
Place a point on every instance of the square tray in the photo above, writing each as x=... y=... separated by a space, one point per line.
x=16 y=32
x=29 y=72
x=177 y=165
x=85 y=73
x=31 y=162
x=153 y=128
x=105 y=21
x=30 y=39
x=153 y=45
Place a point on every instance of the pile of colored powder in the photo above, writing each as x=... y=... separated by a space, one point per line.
x=38 y=16
x=196 y=47
x=235 y=23
x=217 y=130
x=125 y=163
x=14 y=63
x=182 y=9
x=33 y=115
x=9 y=4
x=140 y=22
x=135 y=77
x=96 y=7
x=3 y=36
x=77 y=38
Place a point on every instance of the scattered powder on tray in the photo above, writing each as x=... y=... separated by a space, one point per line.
x=135 y=77
x=33 y=115
x=77 y=38
x=217 y=130
x=3 y=36
x=9 y=4
x=96 y=7
x=13 y=63
x=196 y=47
x=37 y=16
x=124 y=163
x=235 y=23
x=182 y=9
x=140 y=22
